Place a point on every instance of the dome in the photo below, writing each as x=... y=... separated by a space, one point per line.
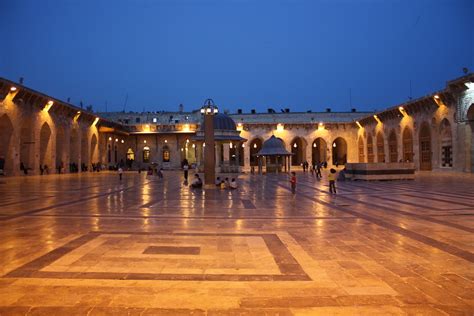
x=224 y=122
x=273 y=147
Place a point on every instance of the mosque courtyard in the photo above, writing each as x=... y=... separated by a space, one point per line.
x=90 y=244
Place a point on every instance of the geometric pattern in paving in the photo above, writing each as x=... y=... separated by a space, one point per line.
x=89 y=244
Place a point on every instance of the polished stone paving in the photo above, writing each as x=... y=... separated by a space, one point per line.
x=91 y=245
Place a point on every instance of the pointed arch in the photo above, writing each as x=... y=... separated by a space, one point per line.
x=60 y=152
x=298 y=148
x=339 y=151
x=380 y=147
x=94 y=150
x=425 y=147
x=45 y=145
x=27 y=142
x=319 y=150
x=255 y=146
x=74 y=147
x=84 y=150
x=6 y=132
x=370 y=148
x=446 y=144
x=407 y=145
x=393 y=146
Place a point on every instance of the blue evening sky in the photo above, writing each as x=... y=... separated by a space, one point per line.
x=301 y=54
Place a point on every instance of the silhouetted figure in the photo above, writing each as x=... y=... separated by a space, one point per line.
x=293 y=182
x=197 y=182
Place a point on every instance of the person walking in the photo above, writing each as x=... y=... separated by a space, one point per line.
x=318 y=171
x=332 y=181
x=293 y=182
x=120 y=171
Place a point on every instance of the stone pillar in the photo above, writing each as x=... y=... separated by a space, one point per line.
x=218 y=151
x=226 y=149
x=210 y=156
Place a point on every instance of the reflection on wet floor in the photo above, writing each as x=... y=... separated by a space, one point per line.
x=91 y=244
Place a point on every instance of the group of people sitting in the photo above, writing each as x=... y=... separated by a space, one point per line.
x=222 y=184
x=226 y=184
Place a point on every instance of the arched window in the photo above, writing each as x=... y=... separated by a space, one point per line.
x=407 y=145
x=146 y=154
x=166 y=154
x=370 y=149
x=130 y=154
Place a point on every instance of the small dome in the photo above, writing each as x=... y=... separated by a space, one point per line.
x=273 y=147
x=224 y=122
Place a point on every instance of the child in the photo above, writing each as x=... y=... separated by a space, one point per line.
x=332 y=181
x=293 y=182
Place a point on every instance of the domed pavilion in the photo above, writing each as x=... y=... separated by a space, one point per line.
x=273 y=156
x=229 y=149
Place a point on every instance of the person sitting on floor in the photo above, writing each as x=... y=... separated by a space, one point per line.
x=233 y=184
x=197 y=182
x=218 y=181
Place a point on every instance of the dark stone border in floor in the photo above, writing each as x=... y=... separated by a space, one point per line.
x=290 y=269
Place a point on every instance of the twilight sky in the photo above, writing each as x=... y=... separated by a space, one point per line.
x=301 y=54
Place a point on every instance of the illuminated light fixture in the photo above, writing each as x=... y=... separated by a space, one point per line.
x=110 y=138
x=215 y=110
x=209 y=107
x=122 y=141
x=402 y=110
x=240 y=126
x=280 y=127
x=144 y=141
x=13 y=89
x=187 y=140
x=48 y=106
x=194 y=146
x=358 y=124
x=186 y=127
x=243 y=145
x=295 y=145
x=334 y=145
x=95 y=121
x=203 y=144
x=436 y=97
x=166 y=140
x=203 y=111
x=230 y=145
x=377 y=119
x=76 y=117
x=182 y=149
x=255 y=145
x=314 y=145
x=116 y=140
x=321 y=124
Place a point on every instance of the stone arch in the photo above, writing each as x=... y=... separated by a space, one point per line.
x=298 y=148
x=407 y=145
x=360 y=144
x=470 y=117
x=425 y=147
x=255 y=146
x=60 y=142
x=146 y=157
x=319 y=150
x=393 y=146
x=446 y=144
x=84 y=150
x=370 y=148
x=339 y=151
x=94 y=151
x=27 y=142
x=74 y=147
x=380 y=147
x=6 y=132
x=45 y=145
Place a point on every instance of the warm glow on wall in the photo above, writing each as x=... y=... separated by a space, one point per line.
x=402 y=110
x=320 y=125
x=240 y=126
x=95 y=121
x=358 y=124
x=280 y=127
x=76 y=117
x=377 y=119
x=48 y=106
x=186 y=128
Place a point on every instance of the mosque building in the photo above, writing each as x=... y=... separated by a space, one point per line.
x=435 y=132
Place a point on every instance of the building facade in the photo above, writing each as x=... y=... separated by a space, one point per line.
x=436 y=132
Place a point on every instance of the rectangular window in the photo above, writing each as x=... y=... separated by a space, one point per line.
x=447 y=156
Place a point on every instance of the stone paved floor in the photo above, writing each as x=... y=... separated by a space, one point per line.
x=90 y=245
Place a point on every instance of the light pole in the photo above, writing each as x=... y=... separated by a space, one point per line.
x=208 y=110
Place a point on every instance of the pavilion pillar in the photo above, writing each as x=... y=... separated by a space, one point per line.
x=209 y=161
x=226 y=152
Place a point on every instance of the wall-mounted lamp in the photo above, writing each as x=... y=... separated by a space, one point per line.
x=280 y=127
x=95 y=121
x=377 y=119
x=48 y=106
x=76 y=117
x=402 y=110
x=13 y=89
x=358 y=124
